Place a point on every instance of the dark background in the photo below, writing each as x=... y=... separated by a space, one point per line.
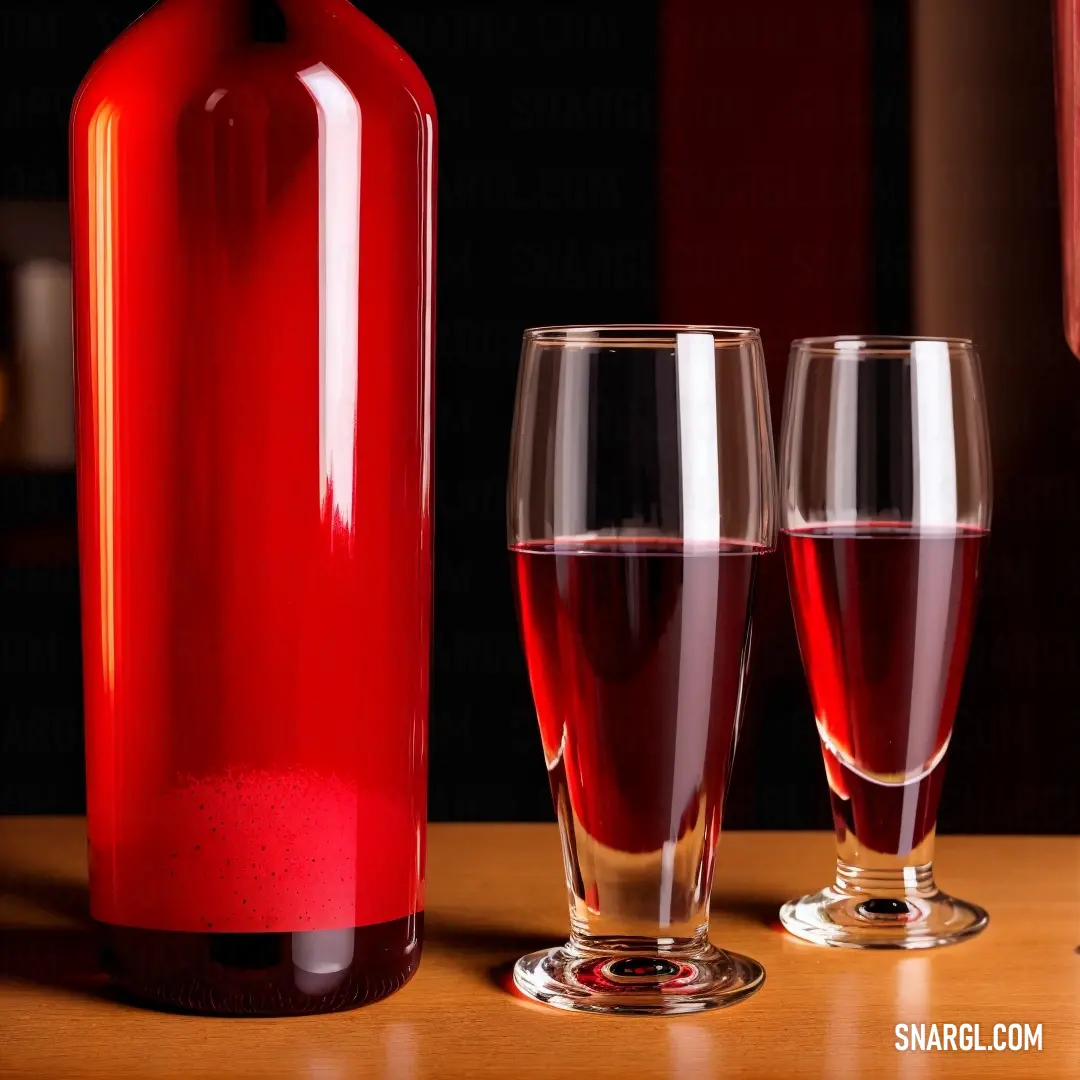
x=691 y=160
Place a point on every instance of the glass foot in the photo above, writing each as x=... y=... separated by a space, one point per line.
x=841 y=920
x=649 y=982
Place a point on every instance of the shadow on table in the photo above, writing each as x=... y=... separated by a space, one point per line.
x=69 y=958
x=759 y=910
x=476 y=947
x=62 y=957
x=67 y=899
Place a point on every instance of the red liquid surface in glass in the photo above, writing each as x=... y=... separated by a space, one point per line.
x=884 y=617
x=637 y=651
x=253 y=266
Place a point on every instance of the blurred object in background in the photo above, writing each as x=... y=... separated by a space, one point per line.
x=896 y=173
x=37 y=428
x=42 y=401
x=894 y=170
x=1066 y=59
x=815 y=211
x=987 y=261
x=41 y=746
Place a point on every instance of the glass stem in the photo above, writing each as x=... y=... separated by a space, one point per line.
x=633 y=944
x=862 y=873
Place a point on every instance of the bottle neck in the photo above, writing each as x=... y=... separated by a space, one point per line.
x=267 y=22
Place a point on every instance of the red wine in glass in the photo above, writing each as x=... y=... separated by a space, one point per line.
x=888 y=490
x=884 y=615
x=641 y=496
x=637 y=650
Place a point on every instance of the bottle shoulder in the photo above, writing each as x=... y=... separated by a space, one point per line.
x=356 y=48
x=179 y=43
x=101 y=81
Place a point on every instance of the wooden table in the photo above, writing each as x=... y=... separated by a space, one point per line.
x=495 y=891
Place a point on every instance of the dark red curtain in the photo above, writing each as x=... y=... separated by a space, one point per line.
x=765 y=141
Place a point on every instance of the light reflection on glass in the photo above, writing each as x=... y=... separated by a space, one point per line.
x=695 y=357
x=102 y=194
x=933 y=433
x=339 y=288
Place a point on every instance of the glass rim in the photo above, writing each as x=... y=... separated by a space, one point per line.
x=856 y=346
x=616 y=334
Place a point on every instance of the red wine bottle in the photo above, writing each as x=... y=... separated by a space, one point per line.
x=253 y=217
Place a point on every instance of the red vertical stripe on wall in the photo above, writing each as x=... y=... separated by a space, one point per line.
x=765 y=220
x=765 y=186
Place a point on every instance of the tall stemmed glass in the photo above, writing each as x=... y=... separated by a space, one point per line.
x=885 y=498
x=641 y=499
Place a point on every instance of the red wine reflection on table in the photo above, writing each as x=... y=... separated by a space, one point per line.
x=884 y=615
x=637 y=649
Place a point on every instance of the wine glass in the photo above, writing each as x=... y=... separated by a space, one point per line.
x=641 y=501
x=885 y=503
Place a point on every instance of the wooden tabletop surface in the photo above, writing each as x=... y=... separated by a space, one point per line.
x=494 y=892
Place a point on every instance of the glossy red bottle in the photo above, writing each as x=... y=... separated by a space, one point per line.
x=253 y=215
